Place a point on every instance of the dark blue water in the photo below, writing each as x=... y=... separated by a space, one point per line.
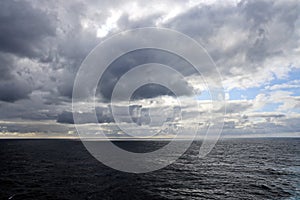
x=235 y=169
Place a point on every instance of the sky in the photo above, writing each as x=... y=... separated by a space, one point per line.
x=254 y=44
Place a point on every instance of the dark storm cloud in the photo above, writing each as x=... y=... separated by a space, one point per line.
x=65 y=117
x=6 y=65
x=12 y=86
x=23 y=28
x=153 y=90
x=133 y=59
x=12 y=90
x=29 y=108
x=103 y=115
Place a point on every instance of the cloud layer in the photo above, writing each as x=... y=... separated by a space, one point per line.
x=255 y=44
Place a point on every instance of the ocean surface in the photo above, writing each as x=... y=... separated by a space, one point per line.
x=235 y=169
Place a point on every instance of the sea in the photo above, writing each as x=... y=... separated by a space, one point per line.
x=247 y=168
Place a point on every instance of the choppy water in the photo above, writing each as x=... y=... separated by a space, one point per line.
x=235 y=169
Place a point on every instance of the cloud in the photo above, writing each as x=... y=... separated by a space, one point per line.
x=24 y=31
x=24 y=28
x=288 y=85
x=240 y=37
x=12 y=90
x=125 y=63
x=42 y=45
x=103 y=116
x=29 y=128
x=251 y=42
x=65 y=117
x=13 y=86
x=238 y=106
